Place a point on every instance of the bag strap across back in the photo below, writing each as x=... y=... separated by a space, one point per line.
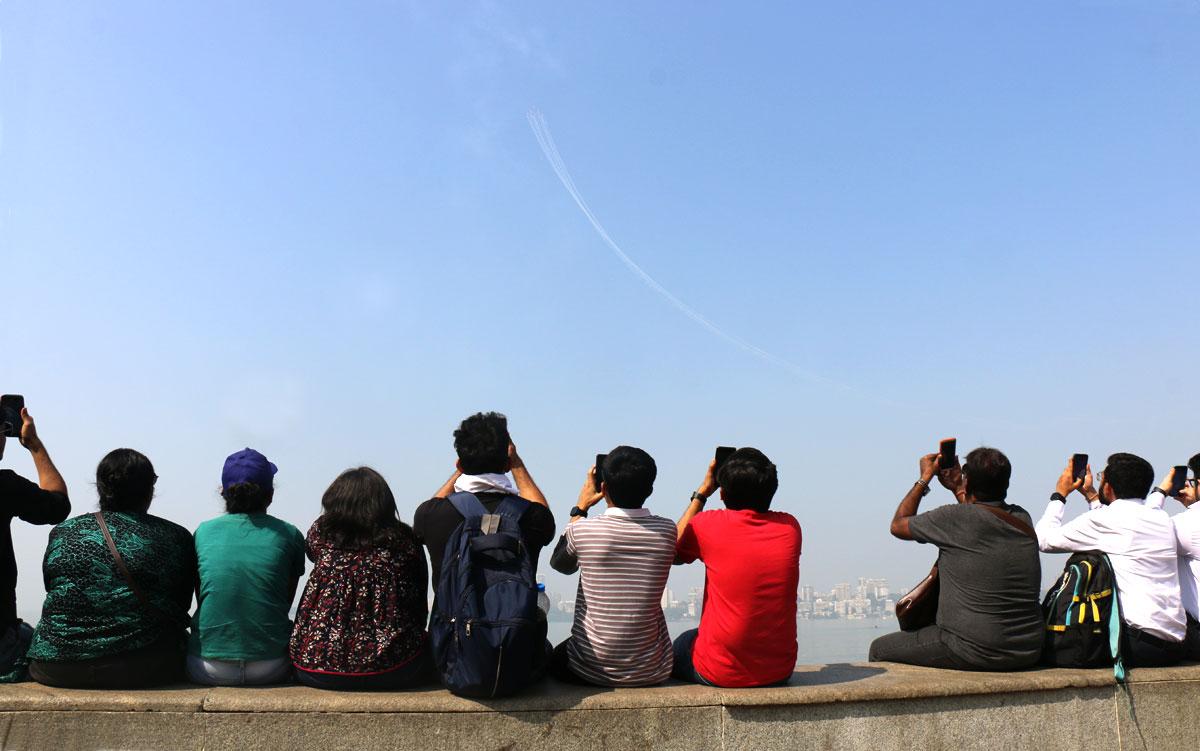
x=121 y=567
x=1012 y=521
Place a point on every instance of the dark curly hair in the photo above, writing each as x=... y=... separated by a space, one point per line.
x=125 y=481
x=247 y=498
x=481 y=442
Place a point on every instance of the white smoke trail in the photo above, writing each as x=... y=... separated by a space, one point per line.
x=538 y=123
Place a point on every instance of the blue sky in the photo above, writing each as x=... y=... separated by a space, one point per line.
x=328 y=232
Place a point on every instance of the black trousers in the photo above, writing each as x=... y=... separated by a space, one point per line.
x=1142 y=650
x=1192 y=641
x=928 y=647
x=158 y=664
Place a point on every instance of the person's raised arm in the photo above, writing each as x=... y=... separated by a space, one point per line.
x=48 y=475
x=54 y=505
x=448 y=486
x=526 y=487
x=912 y=499
x=1085 y=532
x=708 y=486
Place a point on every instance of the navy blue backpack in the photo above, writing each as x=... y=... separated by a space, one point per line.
x=485 y=631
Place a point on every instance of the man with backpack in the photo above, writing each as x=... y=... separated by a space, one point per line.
x=1138 y=539
x=484 y=535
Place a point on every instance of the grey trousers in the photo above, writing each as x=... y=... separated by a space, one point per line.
x=928 y=647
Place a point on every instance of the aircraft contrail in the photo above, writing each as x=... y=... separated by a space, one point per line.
x=542 y=131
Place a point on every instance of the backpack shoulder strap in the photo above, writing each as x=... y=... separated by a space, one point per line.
x=468 y=505
x=1011 y=520
x=512 y=508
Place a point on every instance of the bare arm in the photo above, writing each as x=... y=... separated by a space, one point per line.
x=448 y=486
x=526 y=487
x=48 y=475
x=707 y=487
x=912 y=499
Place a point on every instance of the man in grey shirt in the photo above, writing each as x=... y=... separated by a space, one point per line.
x=989 y=615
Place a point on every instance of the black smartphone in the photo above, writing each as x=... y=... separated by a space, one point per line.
x=1079 y=466
x=948 y=453
x=1178 y=480
x=722 y=455
x=598 y=475
x=10 y=414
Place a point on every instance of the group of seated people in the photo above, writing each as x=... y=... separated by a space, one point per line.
x=990 y=612
x=120 y=582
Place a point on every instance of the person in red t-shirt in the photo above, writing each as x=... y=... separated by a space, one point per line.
x=747 y=634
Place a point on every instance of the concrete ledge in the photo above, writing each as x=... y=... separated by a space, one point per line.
x=852 y=706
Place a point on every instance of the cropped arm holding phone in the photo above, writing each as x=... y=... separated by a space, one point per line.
x=912 y=499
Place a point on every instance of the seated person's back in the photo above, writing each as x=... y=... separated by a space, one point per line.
x=250 y=563
x=988 y=613
x=624 y=557
x=751 y=555
x=95 y=631
x=361 y=620
x=1139 y=539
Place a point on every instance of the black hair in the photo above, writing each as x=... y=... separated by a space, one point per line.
x=247 y=498
x=987 y=472
x=749 y=480
x=125 y=481
x=482 y=444
x=359 y=511
x=629 y=475
x=1129 y=476
x=1194 y=464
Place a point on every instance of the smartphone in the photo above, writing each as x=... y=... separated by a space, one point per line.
x=1079 y=466
x=1178 y=480
x=948 y=453
x=722 y=455
x=10 y=414
x=598 y=476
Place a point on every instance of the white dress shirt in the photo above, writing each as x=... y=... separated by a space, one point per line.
x=1140 y=543
x=1187 y=537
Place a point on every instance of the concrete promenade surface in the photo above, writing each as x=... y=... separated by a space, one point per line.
x=850 y=706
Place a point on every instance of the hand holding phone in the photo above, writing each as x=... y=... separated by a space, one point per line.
x=720 y=457
x=1079 y=463
x=948 y=453
x=1178 y=480
x=10 y=415
x=598 y=474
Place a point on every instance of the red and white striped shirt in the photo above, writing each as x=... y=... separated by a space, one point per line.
x=620 y=635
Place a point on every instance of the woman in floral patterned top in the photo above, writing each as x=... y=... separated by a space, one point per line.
x=96 y=630
x=361 y=621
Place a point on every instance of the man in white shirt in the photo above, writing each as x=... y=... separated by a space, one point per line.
x=1187 y=538
x=1139 y=540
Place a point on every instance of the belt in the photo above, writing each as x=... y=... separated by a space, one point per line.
x=1136 y=634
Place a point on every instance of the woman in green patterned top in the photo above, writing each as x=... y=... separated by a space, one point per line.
x=99 y=629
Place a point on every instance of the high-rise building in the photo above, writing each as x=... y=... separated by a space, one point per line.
x=806 y=593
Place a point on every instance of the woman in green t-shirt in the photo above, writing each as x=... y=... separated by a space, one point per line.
x=115 y=621
x=250 y=563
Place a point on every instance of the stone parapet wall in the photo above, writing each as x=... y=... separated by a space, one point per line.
x=860 y=706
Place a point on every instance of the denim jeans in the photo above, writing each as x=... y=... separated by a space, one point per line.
x=684 y=669
x=238 y=672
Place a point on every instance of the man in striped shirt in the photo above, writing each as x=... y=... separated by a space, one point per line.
x=624 y=556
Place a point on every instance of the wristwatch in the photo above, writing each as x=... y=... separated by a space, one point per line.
x=924 y=487
x=697 y=497
x=576 y=511
x=1057 y=496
